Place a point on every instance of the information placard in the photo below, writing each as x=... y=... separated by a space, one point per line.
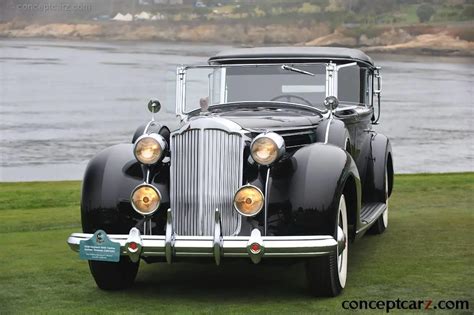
x=100 y=248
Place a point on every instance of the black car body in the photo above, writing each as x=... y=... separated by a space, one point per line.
x=276 y=160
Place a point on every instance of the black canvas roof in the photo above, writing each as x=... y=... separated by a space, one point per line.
x=286 y=54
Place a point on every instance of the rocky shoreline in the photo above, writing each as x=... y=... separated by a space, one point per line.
x=429 y=41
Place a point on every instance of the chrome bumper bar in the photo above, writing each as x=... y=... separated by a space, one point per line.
x=254 y=246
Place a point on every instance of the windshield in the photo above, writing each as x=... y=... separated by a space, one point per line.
x=291 y=83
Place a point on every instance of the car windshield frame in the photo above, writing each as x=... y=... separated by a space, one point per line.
x=331 y=70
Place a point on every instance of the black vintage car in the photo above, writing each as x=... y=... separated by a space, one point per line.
x=275 y=158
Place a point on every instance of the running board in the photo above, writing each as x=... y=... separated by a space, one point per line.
x=369 y=213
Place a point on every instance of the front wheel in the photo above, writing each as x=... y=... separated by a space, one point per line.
x=327 y=275
x=114 y=276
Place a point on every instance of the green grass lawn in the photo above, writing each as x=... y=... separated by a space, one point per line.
x=427 y=253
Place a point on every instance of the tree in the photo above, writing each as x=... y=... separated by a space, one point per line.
x=468 y=12
x=425 y=12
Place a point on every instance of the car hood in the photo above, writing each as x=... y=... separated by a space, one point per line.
x=270 y=119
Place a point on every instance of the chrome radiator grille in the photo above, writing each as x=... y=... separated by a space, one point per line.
x=206 y=171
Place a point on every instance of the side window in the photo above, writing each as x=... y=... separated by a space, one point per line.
x=350 y=87
x=355 y=85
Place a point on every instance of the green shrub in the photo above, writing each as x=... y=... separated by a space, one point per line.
x=425 y=12
x=468 y=12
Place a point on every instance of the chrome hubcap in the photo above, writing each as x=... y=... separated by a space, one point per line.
x=341 y=240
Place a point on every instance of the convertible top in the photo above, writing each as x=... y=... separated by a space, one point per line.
x=289 y=54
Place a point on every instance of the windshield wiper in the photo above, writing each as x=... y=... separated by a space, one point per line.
x=289 y=68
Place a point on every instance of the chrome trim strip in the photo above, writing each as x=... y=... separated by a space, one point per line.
x=266 y=196
x=151 y=122
x=307 y=132
x=283 y=129
x=180 y=91
x=326 y=137
x=201 y=178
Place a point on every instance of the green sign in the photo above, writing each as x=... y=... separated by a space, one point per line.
x=99 y=247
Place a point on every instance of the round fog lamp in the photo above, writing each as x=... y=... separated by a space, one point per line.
x=145 y=199
x=248 y=201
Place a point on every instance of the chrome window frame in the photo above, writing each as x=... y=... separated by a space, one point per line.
x=332 y=70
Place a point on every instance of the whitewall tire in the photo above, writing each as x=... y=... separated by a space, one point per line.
x=327 y=275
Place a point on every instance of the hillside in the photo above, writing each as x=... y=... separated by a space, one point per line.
x=407 y=26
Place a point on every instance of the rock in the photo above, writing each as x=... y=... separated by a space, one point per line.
x=392 y=37
x=88 y=30
x=439 y=44
x=365 y=41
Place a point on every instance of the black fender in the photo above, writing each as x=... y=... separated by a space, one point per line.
x=380 y=158
x=109 y=180
x=304 y=191
x=338 y=134
x=152 y=127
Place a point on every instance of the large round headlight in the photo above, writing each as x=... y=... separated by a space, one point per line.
x=266 y=148
x=248 y=200
x=145 y=199
x=149 y=148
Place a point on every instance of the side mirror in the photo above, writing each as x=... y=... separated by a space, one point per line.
x=378 y=78
x=154 y=106
x=377 y=92
x=331 y=103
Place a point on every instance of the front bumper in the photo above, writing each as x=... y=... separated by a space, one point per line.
x=254 y=246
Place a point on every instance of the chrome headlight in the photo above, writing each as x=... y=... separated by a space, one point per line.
x=249 y=200
x=266 y=148
x=145 y=199
x=149 y=149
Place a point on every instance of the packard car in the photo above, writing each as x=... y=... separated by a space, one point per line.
x=275 y=158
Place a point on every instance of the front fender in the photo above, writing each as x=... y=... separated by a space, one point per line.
x=109 y=179
x=338 y=134
x=305 y=190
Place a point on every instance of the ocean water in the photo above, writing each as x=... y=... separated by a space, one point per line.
x=62 y=102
